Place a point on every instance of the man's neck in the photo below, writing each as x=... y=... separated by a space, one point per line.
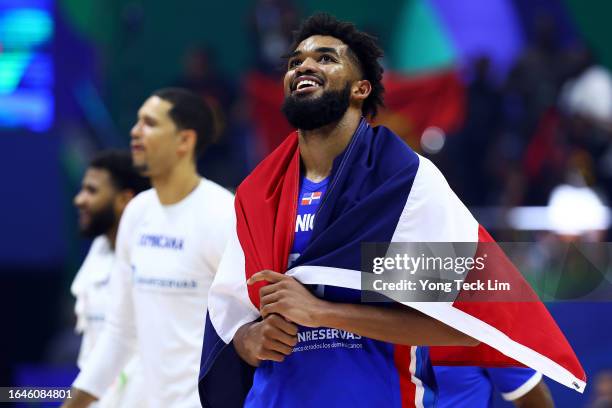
x=176 y=184
x=319 y=147
x=111 y=234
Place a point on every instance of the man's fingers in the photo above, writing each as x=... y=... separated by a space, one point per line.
x=268 y=298
x=265 y=275
x=286 y=339
x=271 y=355
x=277 y=346
x=274 y=333
x=270 y=309
x=268 y=289
x=282 y=323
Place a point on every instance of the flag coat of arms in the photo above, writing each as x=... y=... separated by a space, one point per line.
x=380 y=191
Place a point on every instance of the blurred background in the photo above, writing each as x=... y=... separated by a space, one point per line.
x=512 y=99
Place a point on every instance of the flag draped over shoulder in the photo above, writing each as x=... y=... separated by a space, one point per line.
x=380 y=191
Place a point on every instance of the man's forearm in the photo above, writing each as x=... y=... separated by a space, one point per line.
x=288 y=298
x=241 y=345
x=398 y=325
x=105 y=362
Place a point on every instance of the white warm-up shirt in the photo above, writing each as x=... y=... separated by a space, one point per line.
x=167 y=257
x=91 y=290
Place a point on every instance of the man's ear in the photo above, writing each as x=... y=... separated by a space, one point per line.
x=361 y=89
x=187 y=142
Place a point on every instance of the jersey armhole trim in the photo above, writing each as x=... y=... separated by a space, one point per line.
x=523 y=389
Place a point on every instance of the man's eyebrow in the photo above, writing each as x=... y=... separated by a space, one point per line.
x=147 y=116
x=327 y=50
x=291 y=54
x=322 y=50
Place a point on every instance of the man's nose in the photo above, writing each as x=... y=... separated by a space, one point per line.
x=309 y=65
x=135 y=131
x=79 y=199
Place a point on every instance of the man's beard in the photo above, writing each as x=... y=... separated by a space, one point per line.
x=307 y=113
x=101 y=222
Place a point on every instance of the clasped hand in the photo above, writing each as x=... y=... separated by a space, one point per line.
x=284 y=304
x=288 y=298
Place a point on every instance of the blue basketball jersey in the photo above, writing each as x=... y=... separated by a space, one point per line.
x=334 y=368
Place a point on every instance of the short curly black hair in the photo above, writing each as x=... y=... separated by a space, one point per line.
x=362 y=45
x=119 y=165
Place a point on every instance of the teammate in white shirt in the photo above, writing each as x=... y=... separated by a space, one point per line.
x=169 y=244
x=110 y=182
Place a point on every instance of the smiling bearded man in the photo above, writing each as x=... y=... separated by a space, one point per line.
x=287 y=297
x=326 y=349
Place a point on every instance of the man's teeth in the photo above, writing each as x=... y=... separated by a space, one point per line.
x=305 y=83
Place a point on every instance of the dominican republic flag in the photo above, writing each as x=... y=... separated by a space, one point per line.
x=380 y=191
x=308 y=198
